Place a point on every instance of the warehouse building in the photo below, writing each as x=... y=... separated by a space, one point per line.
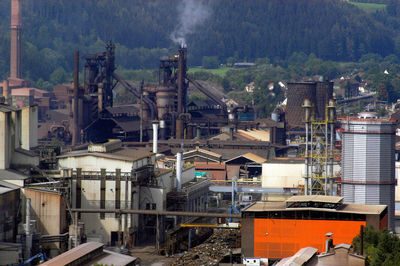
x=277 y=230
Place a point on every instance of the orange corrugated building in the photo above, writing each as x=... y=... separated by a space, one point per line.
x=276 y=230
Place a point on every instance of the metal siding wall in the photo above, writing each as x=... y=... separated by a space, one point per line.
x=348 y=192
x=369 y=157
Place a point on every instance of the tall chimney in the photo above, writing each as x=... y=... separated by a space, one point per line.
x=179 y=171
x=155 y=137
x=6 y=91
x=16 y=39
x=75 y=113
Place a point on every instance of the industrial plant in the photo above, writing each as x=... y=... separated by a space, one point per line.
x=85 y=181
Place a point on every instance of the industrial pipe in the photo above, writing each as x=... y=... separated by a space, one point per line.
x=179 y=171
x=155 y=137
x=155 y=212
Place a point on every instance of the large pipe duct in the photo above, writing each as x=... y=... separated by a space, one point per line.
x=179 y=171
x=16 y=39
x=155 y=137
x=75 y=113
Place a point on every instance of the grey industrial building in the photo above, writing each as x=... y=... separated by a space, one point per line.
x=368 y=161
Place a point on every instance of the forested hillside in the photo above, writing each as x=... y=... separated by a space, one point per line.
x=233 y=30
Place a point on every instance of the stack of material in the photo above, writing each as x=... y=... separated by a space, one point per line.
x=212 y=250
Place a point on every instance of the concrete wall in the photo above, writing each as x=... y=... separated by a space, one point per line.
x=90 y=198
x=29 y=125
x=5 y=147
x=278 y=175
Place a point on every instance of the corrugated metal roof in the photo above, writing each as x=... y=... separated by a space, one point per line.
x=315 y=198
x=125 y=154
x=250 y=156
x=89 y=254
x=300 y=258
x=214 y=154
x=209 y=165
x=257 y=134
x=12 y=175
x=344 y=208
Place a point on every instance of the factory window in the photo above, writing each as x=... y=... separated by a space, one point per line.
x=359 y=217
x=288 y=215
x=315 y=215
x=303 y=215
x=344 y=216
x=331 y=216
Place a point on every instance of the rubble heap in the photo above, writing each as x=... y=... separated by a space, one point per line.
x=219 y=244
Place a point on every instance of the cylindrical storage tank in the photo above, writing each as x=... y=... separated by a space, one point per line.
x=179 y=129
x=165 y=100
x=307 y=107
x=368 y=163
x=324 y=92
x=163 y=129
x=296 y=94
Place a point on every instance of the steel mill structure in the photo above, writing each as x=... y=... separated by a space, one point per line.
x=368 y=166
x=318 y=92
x=319 y=152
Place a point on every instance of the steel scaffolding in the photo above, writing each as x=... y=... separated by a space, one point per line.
x=319 y=152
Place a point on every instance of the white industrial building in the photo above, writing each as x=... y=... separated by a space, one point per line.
x=109 y=176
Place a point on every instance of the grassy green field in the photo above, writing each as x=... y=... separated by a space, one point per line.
x=369 y=7
x=218 y=71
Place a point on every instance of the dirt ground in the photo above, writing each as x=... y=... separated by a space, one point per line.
x=149 y=257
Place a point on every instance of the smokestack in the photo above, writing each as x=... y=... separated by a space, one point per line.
x=75 y=113
x=100 y=98
x=181 y=91
x=16 y=39
x=181 y=80
x=155 y=137
x=6 y=91
x=179 y=171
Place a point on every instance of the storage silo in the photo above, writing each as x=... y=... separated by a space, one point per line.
x=296 y=93
x=324 y=92
x=368 y=162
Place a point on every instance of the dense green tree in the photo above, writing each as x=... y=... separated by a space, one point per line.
x=381 y=247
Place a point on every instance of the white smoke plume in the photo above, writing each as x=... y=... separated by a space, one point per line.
x=191 y=13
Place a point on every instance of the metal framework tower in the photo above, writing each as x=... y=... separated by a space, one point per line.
x=319 y=153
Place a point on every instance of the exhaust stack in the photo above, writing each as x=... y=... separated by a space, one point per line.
x=75 y=112
x=16 y=39
x=179 y=171
x=155 y=137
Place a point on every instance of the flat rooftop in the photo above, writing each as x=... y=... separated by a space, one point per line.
x=125 y=154
x=330 y=205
